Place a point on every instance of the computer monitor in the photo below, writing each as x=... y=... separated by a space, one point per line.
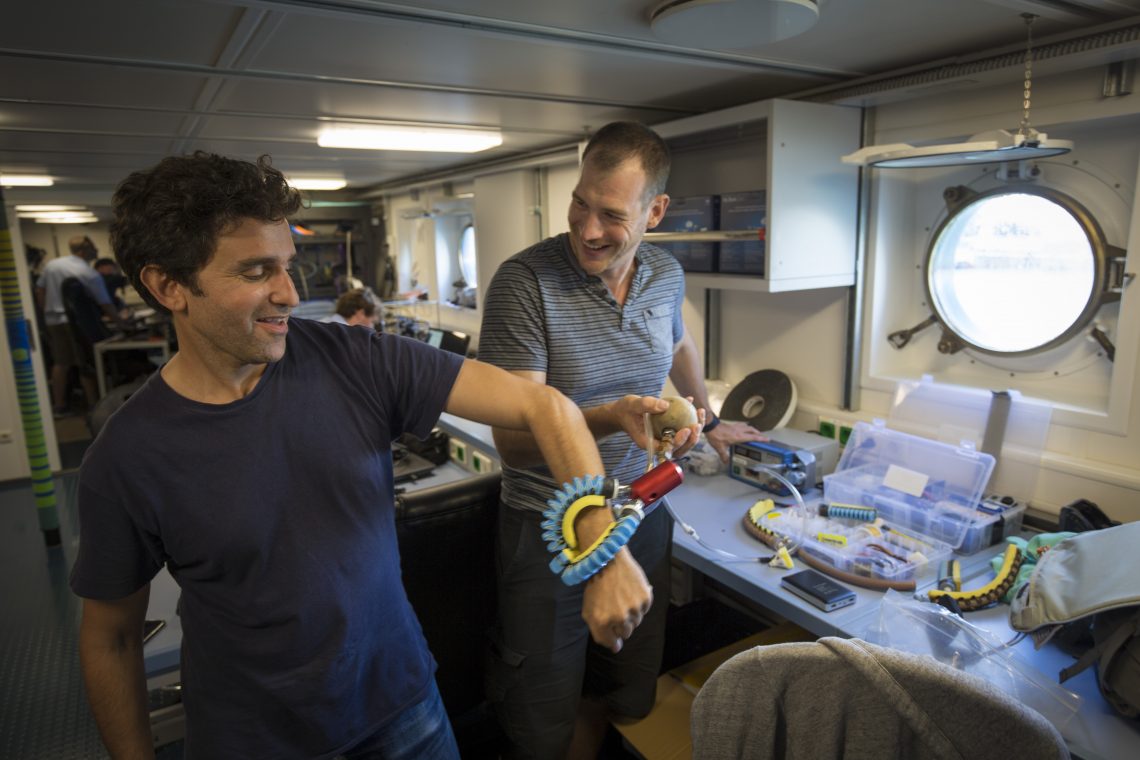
x=449 y=340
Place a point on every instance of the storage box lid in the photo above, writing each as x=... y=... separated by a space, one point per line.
x=930 y=487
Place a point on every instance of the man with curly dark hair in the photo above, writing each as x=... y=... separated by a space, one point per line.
x=256 y=466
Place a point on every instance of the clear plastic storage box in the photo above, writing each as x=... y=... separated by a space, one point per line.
x=925 y=495
x=998 y=518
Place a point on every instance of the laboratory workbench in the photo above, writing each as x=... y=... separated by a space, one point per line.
x=714 y=507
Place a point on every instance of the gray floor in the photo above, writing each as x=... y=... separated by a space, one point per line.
x=43 y=707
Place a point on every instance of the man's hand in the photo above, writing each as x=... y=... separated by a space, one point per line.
x=616 y=600
x=686 y=438
x=727 y=433
x=628 y=412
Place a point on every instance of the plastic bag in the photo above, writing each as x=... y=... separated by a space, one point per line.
x=929 y=629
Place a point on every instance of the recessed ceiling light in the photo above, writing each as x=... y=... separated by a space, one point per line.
x=48 y=207
x=317 y=183
x=26 y=180
x=432 y=139
x=724 y=24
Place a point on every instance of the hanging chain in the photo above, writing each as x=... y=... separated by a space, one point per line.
x=1025 y=129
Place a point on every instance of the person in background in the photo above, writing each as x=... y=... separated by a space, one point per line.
x=596 y=313
x=256 y=466
x=353 y=307
x=114 y=280
x=65 y=353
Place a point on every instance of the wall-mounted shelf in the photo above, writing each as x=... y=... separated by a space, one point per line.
x=758 y=284
x=708 y=236
x=791 y=150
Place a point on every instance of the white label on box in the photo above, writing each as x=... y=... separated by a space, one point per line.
x=907 y=481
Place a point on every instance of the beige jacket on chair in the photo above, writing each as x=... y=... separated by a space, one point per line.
x=845 y=698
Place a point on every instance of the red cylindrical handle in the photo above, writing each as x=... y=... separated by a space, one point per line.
x=657 y=482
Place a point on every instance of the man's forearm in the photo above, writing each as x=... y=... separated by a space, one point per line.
x=618 y=596
x=116 y=690
x=520 y=448
x=562 y=437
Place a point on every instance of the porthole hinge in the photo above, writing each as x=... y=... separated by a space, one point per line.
x=1117 y=279
x=950 y=343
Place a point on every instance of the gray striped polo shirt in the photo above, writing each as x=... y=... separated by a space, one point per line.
x=543 y=313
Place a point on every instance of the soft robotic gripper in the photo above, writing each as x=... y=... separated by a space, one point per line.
x=572 y=563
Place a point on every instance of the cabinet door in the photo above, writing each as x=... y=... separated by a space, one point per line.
x=812 y=197
x=791 y=150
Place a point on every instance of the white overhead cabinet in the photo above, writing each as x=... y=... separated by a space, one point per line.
x=791 y=151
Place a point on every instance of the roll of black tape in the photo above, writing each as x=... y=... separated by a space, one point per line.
x=765 y=399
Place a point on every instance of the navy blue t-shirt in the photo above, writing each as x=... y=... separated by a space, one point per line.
x=275 y=516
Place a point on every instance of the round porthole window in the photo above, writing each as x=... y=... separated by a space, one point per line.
x=1015 y=271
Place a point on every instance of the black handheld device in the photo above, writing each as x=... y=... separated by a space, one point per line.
x=818 y=589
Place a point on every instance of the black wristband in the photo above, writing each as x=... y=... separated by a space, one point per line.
x=711 y=424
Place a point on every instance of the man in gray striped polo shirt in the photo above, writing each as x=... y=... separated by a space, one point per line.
x=595 y=313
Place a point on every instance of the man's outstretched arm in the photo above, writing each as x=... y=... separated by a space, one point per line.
x=619 y=595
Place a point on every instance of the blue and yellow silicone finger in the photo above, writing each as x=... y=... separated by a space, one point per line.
x=571 y=562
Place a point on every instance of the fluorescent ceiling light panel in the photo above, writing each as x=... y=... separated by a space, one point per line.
x=55 y=214
x=48 y=207
x=984 y=148
x=431 y=139
x=317 y=183
x=69 y=220
x=26 y=180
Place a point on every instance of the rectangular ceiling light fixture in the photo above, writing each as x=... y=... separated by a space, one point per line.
x=48 y=207
x=69 y=220
x=431 y=139
x=317 y=183
x=59 y=217
x=26 y=180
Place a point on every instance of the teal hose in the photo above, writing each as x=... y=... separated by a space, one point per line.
x=19 y=346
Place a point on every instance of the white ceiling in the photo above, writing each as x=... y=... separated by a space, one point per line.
x=90 y=91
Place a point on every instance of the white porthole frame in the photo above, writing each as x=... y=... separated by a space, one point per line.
x=1108 y=265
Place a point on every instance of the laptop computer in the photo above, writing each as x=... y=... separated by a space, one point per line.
x=449 y=340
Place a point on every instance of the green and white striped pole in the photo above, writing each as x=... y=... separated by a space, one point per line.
x=20 y=348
